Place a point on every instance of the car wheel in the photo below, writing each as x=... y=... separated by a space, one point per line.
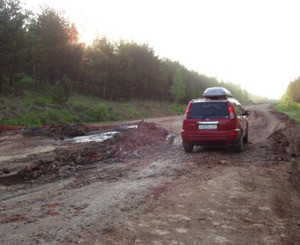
x=239 y=147
x=246 y=139
x=188 y=149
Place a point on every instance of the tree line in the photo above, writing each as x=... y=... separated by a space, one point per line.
x=292 y=93
x=39 y=49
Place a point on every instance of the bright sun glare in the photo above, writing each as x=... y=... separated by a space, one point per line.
x=253 y=43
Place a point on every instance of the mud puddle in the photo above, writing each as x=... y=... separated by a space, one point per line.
x=72 y=156
x=93 y=138
x=100 y=137
x=139 y=187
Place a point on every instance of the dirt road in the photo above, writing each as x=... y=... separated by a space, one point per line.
x=141 y=188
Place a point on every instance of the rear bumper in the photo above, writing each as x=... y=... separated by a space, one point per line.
x=211 y=137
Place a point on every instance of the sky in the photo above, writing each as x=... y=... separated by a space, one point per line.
x=254 y=43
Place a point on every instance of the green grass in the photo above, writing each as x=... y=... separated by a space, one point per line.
x=36 y=108
x=291 y=109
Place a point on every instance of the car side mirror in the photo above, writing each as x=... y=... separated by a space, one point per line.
x=246 y=113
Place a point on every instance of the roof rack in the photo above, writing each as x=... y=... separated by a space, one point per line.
x=218 y=92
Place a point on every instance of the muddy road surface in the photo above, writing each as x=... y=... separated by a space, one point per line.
x=139 y=187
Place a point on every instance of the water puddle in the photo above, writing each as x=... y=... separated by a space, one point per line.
x=125 y=128
x=95 y=137
x=101 y=136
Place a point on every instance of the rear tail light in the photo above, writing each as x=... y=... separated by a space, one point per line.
x=231 y=116
x=230 y=109
x=187 y=110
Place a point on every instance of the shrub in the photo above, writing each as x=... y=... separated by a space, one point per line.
x=132 y=112
x=66 y=117
x=99 y=112
x=11 y=121
x=49 y=116
x=62 y=91
x=23 y=84
x=30 y=119
x=42 y=101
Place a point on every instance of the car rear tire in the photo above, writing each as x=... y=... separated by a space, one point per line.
x=239 y=147
x=188 y=148
x=246 y=139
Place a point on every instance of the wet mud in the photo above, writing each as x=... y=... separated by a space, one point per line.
x=139 y=187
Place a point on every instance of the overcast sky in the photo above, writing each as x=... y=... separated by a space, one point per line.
x=253 y=43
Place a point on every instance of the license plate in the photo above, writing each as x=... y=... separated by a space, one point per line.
x=208 y=126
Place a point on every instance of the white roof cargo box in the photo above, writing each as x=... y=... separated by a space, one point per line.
x=216 y=92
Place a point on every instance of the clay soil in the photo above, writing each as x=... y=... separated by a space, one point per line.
x=141 y=188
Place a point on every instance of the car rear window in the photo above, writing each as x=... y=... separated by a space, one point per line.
x=209 y=110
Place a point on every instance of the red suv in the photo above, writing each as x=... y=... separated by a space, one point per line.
x=216 y=119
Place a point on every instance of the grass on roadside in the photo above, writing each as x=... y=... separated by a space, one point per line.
x=291 y=109
x=36 y=109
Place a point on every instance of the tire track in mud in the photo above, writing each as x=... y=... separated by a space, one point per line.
x=100 y=203
x=224 y=197
x=160 y=195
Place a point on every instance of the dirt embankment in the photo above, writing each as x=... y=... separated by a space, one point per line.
x=58 y=158
x=141 y=188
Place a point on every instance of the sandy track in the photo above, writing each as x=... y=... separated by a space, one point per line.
x=157 y=194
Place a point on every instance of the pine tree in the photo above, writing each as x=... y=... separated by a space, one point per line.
x=178 y=88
